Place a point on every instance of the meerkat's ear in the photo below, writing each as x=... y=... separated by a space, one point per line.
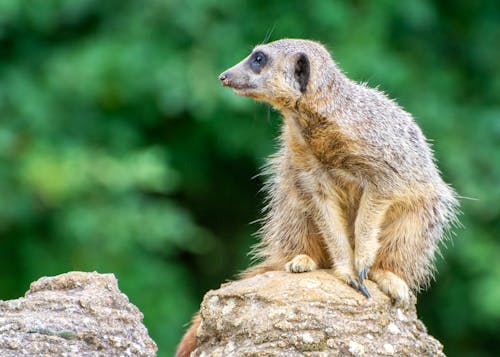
x=302 y=69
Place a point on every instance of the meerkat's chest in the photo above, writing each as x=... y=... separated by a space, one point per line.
x=318 y=145
x=322 y=163
x=320 y=185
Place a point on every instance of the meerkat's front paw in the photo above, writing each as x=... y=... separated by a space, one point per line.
x=392 y=285
x=352 y=281
x=300 y=264
x=363 y=260
x=363 y=272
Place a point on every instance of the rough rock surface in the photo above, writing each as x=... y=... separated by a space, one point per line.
x=73 y=314
x=308 y=314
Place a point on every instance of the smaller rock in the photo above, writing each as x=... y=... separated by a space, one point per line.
x=73 y=314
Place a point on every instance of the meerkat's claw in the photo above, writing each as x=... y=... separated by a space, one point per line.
x=349 y=277
x=360 y=287
x=300 y=264
x=363 y=273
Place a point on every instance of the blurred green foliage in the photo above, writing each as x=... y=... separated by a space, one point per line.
x=120 y=152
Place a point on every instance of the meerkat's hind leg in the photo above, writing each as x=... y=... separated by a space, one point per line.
x=300 y=264
x=392 y=285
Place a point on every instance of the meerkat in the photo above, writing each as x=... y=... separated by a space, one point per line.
x=353 y=188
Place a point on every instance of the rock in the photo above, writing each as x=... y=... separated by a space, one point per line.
x=73 y=314
x=308 y=314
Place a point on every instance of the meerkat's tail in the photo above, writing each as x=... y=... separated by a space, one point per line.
x=188 y=342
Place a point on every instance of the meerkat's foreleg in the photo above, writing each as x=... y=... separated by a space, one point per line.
x=370 y=216
x=333 y=227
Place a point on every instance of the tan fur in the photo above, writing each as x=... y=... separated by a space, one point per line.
x=300 y=264
x=354 y=185
x=188 y=342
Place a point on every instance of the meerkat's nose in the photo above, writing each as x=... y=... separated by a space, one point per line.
x=224 y=78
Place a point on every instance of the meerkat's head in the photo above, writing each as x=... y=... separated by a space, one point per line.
x=280 y=72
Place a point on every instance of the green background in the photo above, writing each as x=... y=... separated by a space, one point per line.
x=121 y=152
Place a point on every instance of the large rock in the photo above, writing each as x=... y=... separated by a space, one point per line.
x=73 y=314
x=308 y=314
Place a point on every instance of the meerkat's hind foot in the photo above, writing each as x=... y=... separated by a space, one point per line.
x=300 y=264
x=392 y=285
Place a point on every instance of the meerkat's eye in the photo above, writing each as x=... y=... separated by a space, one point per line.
x=259 y=58
x=258 y=61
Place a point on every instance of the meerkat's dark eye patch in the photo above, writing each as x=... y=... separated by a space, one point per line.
x=302 y=70
x=257 y=61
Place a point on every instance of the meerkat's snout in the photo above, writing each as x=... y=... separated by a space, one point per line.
x=224 y=78
x=229 y=79
x=236 y=78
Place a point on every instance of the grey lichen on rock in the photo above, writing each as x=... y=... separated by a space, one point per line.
x=73 y=314
x=308 y=314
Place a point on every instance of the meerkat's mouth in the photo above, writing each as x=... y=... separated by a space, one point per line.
x=243 y=90
x=237 y=86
